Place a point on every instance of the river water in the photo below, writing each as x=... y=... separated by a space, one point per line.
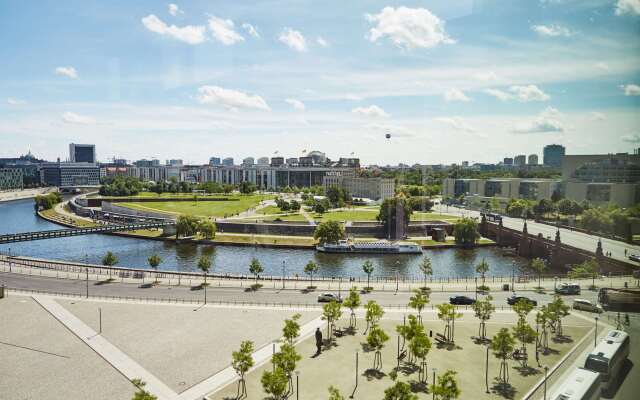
x=19 y=216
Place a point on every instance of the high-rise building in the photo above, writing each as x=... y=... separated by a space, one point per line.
x=552 y=155
x=520 y=159
x=228 y=162
x=248 y=161
x=533 y=159
x=508 y=161
x=214 y=161
x=175 y=163
x=263 y=161
x=82 y=153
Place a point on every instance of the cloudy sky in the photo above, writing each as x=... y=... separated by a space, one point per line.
x=472 y=80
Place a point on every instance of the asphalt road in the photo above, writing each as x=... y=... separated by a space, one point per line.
x=572 y=238
x=215 y=294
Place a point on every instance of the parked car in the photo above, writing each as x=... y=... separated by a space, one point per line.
x=514 y=299
x=634 y=257
x=586 y=305
x=568 y=288
x=328 y=297
x=461 y=300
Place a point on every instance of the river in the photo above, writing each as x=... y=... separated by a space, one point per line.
x=18 y=216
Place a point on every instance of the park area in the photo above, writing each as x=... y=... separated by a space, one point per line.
x=223 y=206
x=368 y=214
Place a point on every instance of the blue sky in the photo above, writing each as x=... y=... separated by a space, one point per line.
x=450 y=80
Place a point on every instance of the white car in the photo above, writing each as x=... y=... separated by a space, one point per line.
x=634 y=257
x=328 y=297
x=586 y=305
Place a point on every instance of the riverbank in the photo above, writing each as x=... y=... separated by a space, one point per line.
x=24 y=193
x=239 y=239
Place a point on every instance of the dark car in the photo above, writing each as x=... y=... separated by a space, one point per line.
x=461 y=300
x=514 y=299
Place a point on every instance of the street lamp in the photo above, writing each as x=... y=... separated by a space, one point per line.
x=434 y=383
x=9 y=259
x=283 y=266
x=595 y=335
x=486 y=370
x=297 y=385
x=546 y=369
x=397 y=273
x=86 y=265
x=513 y=276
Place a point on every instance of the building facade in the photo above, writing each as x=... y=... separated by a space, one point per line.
x=68 y=175
x=552 y=155
x=377 y=189
x=501 y=189
x=82 y=153
x=11 y=178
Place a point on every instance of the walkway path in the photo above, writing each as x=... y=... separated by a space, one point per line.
x=119 y=360
x=24 y=193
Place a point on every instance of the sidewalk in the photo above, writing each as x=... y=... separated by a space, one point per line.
x=166 y=278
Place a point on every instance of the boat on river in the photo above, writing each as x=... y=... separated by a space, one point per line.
x=372 y=247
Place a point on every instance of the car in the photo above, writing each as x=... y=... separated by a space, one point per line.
x=568 y=288
x=329 y=297
x=634 y=257
x=586 y=305
x=461 y=300
x=514 y=299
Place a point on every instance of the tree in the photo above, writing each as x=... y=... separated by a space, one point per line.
x=207 y=229
x=204 y=264
x=109 y=259
x=448 y=314
x=418 y=301
x=291 y=329
x=255 y=268
x=275 y=383
x=390 y=209
x=367 y=267
x=247 y=187
x=373 y=314
x=482 y=269
x=186 y=225
x=502 y=345
x=523 y=331
x=426 y=269
x=588 y=269
x=408 y=331
x=543 y=207
x=329 y=232
x=376 y=340
x=539 y=265
x=286 y=360
x=311 y=268
x=352 y=302
x=447 y=386
x=242 y=361
x=483 y=310
x=466 y=232
x=419 y=346
x=557 y=310
x=399 y=391
x=595 y=219
x=334 y=393
x=331 y=312
x=141 y=394
x=154 y=261
x=543 y=321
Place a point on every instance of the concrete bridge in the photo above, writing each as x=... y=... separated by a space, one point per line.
x=57 y=233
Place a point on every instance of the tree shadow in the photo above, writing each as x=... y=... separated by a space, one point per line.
x=350 y=330
x=366 y=348
x=196 y=287
x=408 y=369
x=372 y=374
x=479 y=340
x=549 y=350
x=146 y=286
x=527 y=370
x=105 y=282
x=562 y=339
x=418 y=387
x=503 y=389
x=448 y=346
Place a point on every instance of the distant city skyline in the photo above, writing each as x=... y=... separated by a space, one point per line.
x=473 y=81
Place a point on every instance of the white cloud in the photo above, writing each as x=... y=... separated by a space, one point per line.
x=223 y=30
x=297 y=104
x=455 y=95
x=499 y=94
x=251 y=30
x=631 y=89
x=15 y=102
x=597 y=116
x=322 y=42
x=408 y=27
x=175 y=10
x=529 y=93
x=293 y=39
x=371 y=111
x=635 y=138
x=73 y=118
x=456 y=123
x=192 y=34
x=602 y=66
x=352 y=97
x=551 y=30
x=67 y=71
x=229 y=98
x=628 y=7
x=486 y=76
x=546 y=121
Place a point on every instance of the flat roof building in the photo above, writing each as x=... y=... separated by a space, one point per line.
x=552 y=155
x=82 y=153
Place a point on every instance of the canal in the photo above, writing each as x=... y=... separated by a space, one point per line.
x=19 y=216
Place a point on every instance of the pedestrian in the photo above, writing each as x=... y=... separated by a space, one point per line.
x=318 y=341
x=625 y=252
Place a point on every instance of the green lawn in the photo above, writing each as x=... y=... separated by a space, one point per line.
x=235 y=205
x=428 y=216
x=270 y=210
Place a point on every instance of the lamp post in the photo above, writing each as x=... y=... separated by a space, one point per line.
x=513 y=276
x=434 y=383
x=546 y=369
x=297 y=385
x=397 y=273
x=486 y=370
x=283 y=267
x=595 y=335
x=9 y=259
x=86 y=265
x=476 y=288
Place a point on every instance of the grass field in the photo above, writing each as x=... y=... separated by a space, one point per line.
x=424 y=216
x=235 y=205
x=361 y=215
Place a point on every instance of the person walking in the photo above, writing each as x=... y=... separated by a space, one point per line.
x=318 y=341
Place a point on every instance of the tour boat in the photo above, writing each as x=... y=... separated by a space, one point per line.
x=377 y=247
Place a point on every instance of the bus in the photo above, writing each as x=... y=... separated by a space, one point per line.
x=581 y=384
x=491 y=217
x=608 y=357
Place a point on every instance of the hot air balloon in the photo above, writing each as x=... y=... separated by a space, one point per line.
x=388 y=136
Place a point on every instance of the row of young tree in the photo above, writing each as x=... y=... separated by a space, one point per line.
x=47 y=201
x=131 y=186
